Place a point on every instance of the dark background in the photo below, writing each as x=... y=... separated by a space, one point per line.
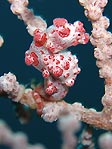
x=89 y=88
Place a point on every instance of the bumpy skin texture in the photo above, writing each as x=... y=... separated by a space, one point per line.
x=48 y=53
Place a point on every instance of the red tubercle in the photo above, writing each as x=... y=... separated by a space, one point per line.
x=86 y=38
x=39 y=102
x=80 y=27
x=83 y=39
x=45 y=59
x=51 y=90
x=70 y=83
x=28 y=59
x=51 y=56
x=46 y=62
x=49 y=83
x=66 y=75
x=57 y=71
x=64 y=32
x=58 y=22
x=42 y=52
x=50 y=47
x=50 y=68
x=80 y=23
x=45 y=73
x=57 y=62
x=61 y=57
x=31 y=59
x=69 y=59
x=66 y=65
x=35 y=59
x=39 y=38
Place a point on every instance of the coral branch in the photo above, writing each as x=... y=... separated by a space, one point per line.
x=86 y=141
x=102 y=120
x=105 y=140
x=52 y=110
x=19 y=7
x=69 y=126
x=101 y=39
x=15 y=140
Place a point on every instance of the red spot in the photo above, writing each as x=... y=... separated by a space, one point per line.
x=64 y=32
x=46 y=62
x=39 y=38
x=28 y=59
x=80 y=23
x=45 y=59
x=57 y=62
x=51 y=56
x=42 y=69
x=86 y=39
x=66 y=65
x=42 y=52
x=58 y=22
x=61 y=57
x=39 y=102
x=53 y=31
x=50 y=67
x=31 y=59
x=57 y=71
x=75 y=73
x=51 y=90
x=70 y=83
x=50 y=48
x=69 y=59
x=49 y=84
x=45 y=73
x=35 y=59
x=66 y=75
x=80 y=27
